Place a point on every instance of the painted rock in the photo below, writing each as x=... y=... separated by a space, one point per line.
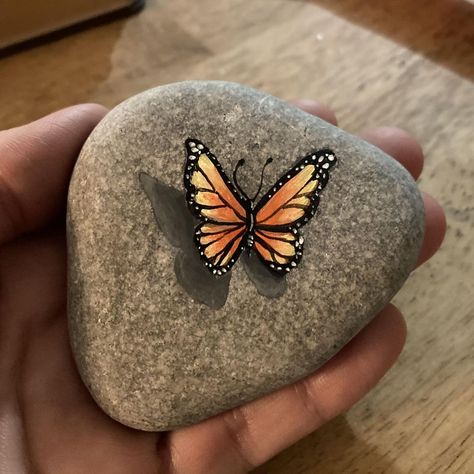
x=199 y=281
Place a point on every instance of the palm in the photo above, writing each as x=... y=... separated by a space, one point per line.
x=62 y=430
x=49 y=422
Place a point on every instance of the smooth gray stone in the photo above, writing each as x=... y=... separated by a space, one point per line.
x=159 y=341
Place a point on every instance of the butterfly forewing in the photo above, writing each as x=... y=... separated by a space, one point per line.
x=290 y=204
x=213 y=199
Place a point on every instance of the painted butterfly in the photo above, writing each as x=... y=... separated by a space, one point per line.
x=230 y=220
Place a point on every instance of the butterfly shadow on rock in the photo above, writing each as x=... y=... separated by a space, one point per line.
x=177 y=224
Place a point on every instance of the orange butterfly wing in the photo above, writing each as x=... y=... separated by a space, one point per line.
x=290 y=204
x=213 y=199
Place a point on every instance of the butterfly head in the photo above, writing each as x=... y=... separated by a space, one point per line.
x=239 y=164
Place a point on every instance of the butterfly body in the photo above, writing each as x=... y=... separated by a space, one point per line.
x=251 y=224
x=230 y=220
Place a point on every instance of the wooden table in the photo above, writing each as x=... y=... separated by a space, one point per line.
x=398 y=62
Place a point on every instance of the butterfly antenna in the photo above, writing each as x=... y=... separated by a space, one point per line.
x=261 y=178
x=237 y=166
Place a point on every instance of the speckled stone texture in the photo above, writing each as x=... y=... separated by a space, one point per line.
x=154 y=358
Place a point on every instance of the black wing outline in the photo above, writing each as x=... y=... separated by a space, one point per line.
x=323 y=160
x=225 y=259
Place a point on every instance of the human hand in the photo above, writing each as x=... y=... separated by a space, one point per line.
x=49 y=422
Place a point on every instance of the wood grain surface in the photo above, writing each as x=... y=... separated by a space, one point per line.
x=398 y=62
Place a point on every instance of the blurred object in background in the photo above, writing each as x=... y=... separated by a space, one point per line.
x=24 y=22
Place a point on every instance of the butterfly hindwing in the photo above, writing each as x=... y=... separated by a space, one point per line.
x=213 y=199
x=219 y=245
x=279 y=250
x=290 y=204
